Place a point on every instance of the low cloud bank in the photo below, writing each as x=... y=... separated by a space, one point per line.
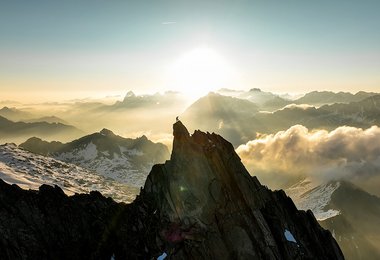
x=345 y=153
x=297 y=106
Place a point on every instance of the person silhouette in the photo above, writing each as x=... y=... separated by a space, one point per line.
x=177 y=118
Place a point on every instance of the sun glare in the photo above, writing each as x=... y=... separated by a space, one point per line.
x=200 y=71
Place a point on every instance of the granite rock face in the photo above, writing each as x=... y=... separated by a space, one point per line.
x=216 y=210
x=201 y=204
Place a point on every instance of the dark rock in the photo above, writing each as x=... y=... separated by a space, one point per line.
x=202 y=204
x=216 y=210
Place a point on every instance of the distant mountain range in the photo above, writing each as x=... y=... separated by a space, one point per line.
x=134 y=102
x=135 y=114
x=328 y=97
x=364 y=113
x=240 y=120
x=226 y=112
x=350 y=213
x=125 y=160
x=157 y=101
x=29 y=171
x=47 y=119
x=269 y=101
x=15 y=114
x=17 y=131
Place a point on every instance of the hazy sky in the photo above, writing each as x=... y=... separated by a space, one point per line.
x=73 y=48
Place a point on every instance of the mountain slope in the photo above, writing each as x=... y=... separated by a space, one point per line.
x=228 y=116
x=125 y=160
x=308 y=195
x=366 y=111
x=29 y=171
x=352 y=214
x=361 y=211
x=264 y=100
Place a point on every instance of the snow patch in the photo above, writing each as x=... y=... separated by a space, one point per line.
x=88 y=153
x=162 y=257
x=289 y=236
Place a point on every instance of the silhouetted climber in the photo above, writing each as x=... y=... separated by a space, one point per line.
x=177 y=118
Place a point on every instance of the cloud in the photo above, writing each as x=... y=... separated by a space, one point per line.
x=168 y=22
x=345 y=153
x=297 y=106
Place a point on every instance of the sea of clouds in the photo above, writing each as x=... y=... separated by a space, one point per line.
x=345 y=153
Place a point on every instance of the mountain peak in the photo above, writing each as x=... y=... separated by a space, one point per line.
x=106 y=132
x=255 y=90
x=130 y=94
x=143 y=138
x=5 y=109
x=179 y=130
x=204 y=193
x=181 y=138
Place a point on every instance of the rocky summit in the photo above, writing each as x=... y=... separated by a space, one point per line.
x=215 y=210
x=200 y=204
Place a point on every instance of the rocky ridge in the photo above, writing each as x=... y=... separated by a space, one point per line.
x=221 y=212
x=201 y=204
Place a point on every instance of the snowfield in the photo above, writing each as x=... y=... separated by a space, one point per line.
x=29 y=171
x=309 y=195
x=116 y=166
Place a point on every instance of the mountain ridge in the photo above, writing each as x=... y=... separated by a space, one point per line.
x=200 y=204
x=199 y=183
x=329 y=97
x=122 y=159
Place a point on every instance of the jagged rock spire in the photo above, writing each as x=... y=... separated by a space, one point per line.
x=213 y=208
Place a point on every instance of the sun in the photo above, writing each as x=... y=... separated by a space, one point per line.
x=200 y=71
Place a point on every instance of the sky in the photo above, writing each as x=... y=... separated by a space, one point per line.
x=65 y=49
